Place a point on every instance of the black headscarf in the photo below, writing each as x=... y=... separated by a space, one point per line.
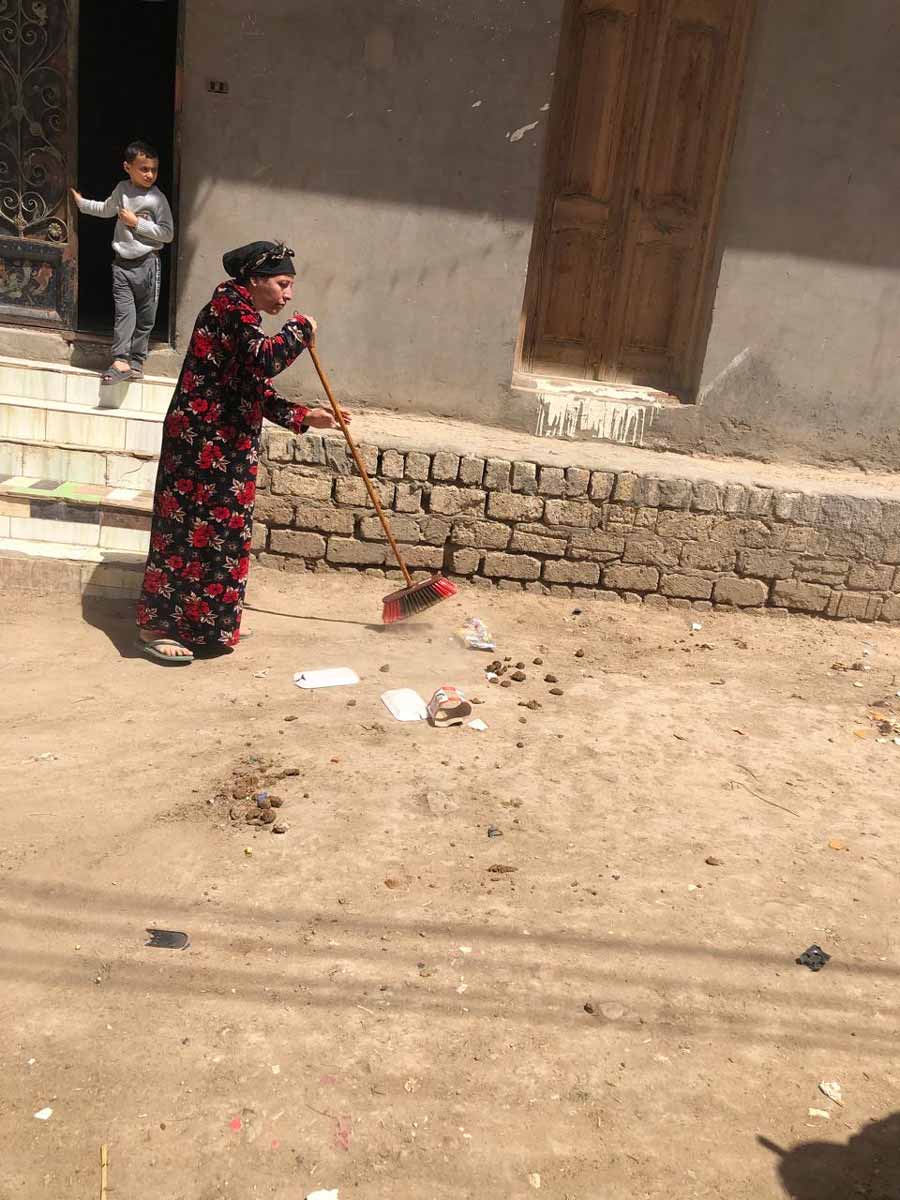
x=259 y=258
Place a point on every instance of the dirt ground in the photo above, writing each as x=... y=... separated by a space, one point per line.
x=364 y=1004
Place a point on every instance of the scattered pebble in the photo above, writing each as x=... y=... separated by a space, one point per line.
x=538 y=662
x=292 y=717
x=280 y=828
x=351 y=704
x=556 y=691
x=520 y=745
x=712 y=861
x=506 y=683
x=493 y=831
x=520 y=666
x=384 y=670
x=579 y=654
x=248 y=851
x=518 y=676
x=501 y=869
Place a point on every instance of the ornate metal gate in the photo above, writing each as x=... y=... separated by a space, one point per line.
x=38 y=253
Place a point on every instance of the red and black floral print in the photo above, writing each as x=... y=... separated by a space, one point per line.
x=206 y=485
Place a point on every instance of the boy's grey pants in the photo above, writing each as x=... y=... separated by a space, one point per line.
x=135 y=295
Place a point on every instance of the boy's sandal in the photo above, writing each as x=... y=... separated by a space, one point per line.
x=114 y=375
x=152 y=650
x=137 y=372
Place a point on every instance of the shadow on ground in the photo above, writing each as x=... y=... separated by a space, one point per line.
x=867 y=1167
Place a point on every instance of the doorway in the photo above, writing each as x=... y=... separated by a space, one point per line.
x=644 y=113
x=127 y=59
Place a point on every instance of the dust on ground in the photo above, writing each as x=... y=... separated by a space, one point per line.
x=599 y=1000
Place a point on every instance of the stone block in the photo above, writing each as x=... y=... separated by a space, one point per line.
x=708 y=556
x=707 y=497
x=552 y=482
x=485 y=535
x=822 y=570
x=561 y=571
x=738 y=532
x=524 y=478
x=369 y=455
x=851 y=513
x=866 y=578
x=511 y=566
x=602 y=484
x=506 y=506
x=734 y=498
x=509 y=585
x=263 y=480
x=465 y=562
x=271 y=561
x=300 y=545
x=349 y=552
x=471 y=470
x=429 y=557
x=675 y=493
x=537 y=588
x=273 y=510
x=451 y=501
x=445 y=466
x=625 y=488
x=602 y=540
x=759 y=501
x=890 y=610
x=647 y=492
x=258 y=535
x=806 y=597
x=418 y=465
x=650 y=549
x=686 y=587
x=615 y=516
x=408 y=498
x=660 y=603
x=280 y=445
x=310 y=448
x=685 y=526
x=843 y=544
x=626 y=578
x=405 y=529
x=859 y=606
x=646 y=518
x=289 y=482
x=353 y=491
x=393 y=464
x=435 y=530
x=559 y=589
x=497 y=474
x=337 y=456
x=534 y=543
x=766 y=564
x=741 y=593
x=569 y=512
x=577 y=480
x=323 y=519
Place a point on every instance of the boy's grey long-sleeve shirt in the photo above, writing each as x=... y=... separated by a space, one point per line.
x=154 y=228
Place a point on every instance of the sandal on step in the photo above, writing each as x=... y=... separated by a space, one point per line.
x=137 y=373
x=153 y=650
x=115 y=375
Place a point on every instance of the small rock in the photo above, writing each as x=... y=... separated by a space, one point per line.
x=276 y=801
x=506 y=683
x=292 y=717
x=266 y=816
x=556 y=692
x=518 y=676
x=523 y=720
x=576 y=612
x=579 y=654
x=520 y=745
x=520 y=666
x=351 y=704
x=589 y=1008
x=534 y=705
x=712 y=861
x=248 y=851
x=384 y=670
x=280 y=827
x=392 y=883
x=493 y=831
x=235 y=813
x=538 y=662
x=550 y=679
x=501 y=869
x=508 y=658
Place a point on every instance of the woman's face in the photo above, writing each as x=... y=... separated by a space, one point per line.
x=270 y=293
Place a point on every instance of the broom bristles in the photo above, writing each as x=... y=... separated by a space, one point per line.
x=407 y=602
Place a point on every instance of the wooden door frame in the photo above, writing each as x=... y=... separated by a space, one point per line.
x=524 y=377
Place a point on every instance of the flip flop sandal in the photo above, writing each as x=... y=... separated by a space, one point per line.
x=113 y=375
x=137 y=373
x=152 y=650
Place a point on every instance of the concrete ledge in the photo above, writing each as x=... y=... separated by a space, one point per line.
x=494 y=508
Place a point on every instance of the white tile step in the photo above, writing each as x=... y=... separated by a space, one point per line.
x=23 y=379
x=112 y=468
x=81 y=535
x=80 y=426
x=72 y=552
x=49 y=568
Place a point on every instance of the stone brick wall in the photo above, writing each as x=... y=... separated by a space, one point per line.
x=661 y=541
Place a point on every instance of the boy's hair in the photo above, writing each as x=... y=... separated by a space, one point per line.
x=133 y=149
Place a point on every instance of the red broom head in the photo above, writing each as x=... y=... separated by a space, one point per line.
x=409 y=601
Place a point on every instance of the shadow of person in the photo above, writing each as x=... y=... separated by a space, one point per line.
x=865 y=1168
x=115 y=618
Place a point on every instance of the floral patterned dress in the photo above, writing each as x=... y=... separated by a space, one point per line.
x=206 y=485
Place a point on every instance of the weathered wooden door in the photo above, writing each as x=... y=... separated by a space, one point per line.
x=37 y=237
x=643 y=119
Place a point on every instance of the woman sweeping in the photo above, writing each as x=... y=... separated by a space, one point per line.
x=193 y=592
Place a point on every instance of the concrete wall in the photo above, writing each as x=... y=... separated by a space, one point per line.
x=372 y=136
x=804 y=348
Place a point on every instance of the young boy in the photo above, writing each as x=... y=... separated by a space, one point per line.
x=144 y=225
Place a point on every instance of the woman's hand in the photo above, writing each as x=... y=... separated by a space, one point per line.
x=323 y=418
x=313 y=322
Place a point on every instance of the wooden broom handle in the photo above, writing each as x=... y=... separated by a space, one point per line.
x=360 y=466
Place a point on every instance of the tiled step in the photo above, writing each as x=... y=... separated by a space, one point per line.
x=111 y=468
x=59 y=567
x=81 y=427
x=91 y=519
x=53 y=383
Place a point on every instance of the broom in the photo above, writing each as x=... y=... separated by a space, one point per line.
x=415 y=597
